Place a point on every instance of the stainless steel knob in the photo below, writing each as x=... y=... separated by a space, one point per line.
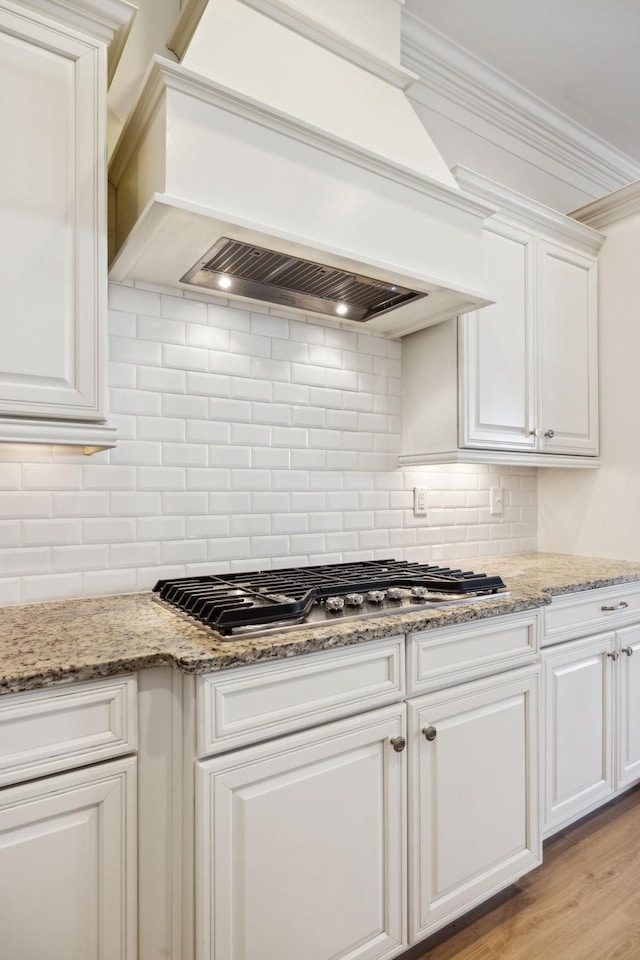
x=398 y=744
x=419 y=593
x=375 y=596
x=334 y=604
x=549 y=433
x=430 y=733
x=628 y=651
x=614 y=655
x=616 y=606
x=534 y=433
x=395 y=593
x=354 y=599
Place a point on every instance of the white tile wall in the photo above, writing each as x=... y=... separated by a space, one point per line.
x=247 y=439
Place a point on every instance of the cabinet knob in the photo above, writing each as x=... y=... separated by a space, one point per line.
x=616 y=606
x=534 y=433
x=628 y=651
x=614 y=655
x=549 y=433
x=398 y=744
x=430 y=733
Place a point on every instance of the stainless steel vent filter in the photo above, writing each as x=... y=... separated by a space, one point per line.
x=261 y=274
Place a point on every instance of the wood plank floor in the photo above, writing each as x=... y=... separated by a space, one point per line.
x=583 y=903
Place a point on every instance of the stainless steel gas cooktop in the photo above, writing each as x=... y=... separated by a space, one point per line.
x=254 y=603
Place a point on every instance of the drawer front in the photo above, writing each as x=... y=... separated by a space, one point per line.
x=591 y=611
x=242 y=706
x=64 y=727
x=440 y=658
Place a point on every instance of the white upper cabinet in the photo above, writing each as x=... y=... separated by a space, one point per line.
x=517 y=381
x=53 y=79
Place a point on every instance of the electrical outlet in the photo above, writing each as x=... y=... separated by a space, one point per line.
x=496 y=501
x=419 y=502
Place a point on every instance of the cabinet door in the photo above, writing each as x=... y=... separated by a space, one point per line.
x=67 y=866
x=52 y=171
x=578 y=694
x=568 y=372
x=497 y=348
x=299 y=845
x=473 y=809
x=629 y=706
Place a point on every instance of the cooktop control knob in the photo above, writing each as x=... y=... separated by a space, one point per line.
x=375 y=596
x=334 y=604
x=354 y=599
x=419 y=593
x=395 y=593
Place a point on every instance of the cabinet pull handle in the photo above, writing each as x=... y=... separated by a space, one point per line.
x=534 y=433
x=614 y=655
x=398 y=744
x=628 y=651
x=616 y=606
x=430 y=733
x=550 y=434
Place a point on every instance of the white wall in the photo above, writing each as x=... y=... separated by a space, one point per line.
x=247 y=440
x=597 y=513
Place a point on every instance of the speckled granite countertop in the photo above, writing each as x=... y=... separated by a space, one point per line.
x=44 y=644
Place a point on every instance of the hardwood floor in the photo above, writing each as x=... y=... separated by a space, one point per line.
x=583 y=903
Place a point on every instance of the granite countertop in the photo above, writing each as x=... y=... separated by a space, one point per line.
x=45 y=644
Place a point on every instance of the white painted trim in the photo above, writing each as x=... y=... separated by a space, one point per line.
x=615 y=206
x=544 y=220
x=91 y=436
x=163 y=75
x=502 y=457
x=108 y=21
x=294 y=19
x=469 y=83
x=305 y=26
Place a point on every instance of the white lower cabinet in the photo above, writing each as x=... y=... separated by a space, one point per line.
x=592 y=722
x=473 y=795
x=67 y=866
x=300 y=845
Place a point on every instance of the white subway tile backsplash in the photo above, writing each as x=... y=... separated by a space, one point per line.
x=160 y=331
x=246 y=438
x=38 y=533
x=57 y=586
x=184 y=455
x=23 y=505
x=51 y=476
x=79 y=558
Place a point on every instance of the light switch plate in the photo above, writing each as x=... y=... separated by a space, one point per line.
x=496 y=501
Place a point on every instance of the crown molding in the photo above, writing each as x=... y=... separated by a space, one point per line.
x=616 y=206
x=472 y=87
x=108 y=21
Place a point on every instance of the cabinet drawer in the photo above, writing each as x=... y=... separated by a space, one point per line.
x=440 y=658
x=237 y=707
x=64 y=727
x=591 y=611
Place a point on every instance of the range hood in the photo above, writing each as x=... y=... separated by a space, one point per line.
x=280 y=162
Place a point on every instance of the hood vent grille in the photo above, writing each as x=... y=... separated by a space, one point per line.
x=246 y=270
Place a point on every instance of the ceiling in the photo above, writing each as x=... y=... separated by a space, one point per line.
x=580 y=56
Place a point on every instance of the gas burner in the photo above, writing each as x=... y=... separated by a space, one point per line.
x=241 y=603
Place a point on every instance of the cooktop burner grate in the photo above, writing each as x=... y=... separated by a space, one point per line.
x=241 y=601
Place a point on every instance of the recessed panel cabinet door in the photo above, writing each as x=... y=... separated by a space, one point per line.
x=497 y=348
x=567 y=351
x=628 y=671
x=299 y=845
x=579 y=716
x=473 y=795
x=67 y=866
x=52 y=199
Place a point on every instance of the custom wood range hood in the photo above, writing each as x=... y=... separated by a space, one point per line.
x=280 y=161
